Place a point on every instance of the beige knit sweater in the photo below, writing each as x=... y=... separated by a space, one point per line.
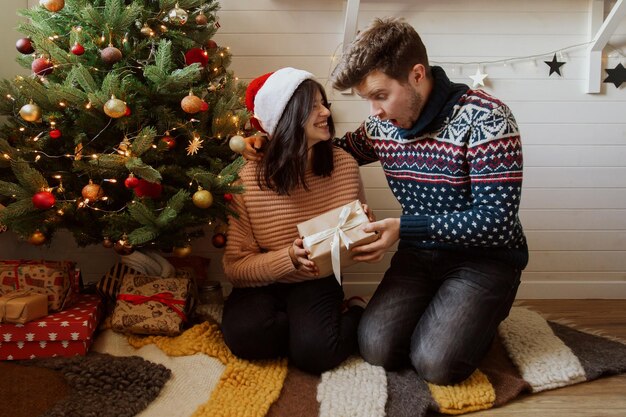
x=257 y=249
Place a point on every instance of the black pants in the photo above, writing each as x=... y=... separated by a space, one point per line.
x=437 y=311
x=302 y=321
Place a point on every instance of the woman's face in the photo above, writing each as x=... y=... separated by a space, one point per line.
x=316 y=126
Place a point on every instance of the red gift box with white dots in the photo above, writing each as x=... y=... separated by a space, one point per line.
x=65 y=333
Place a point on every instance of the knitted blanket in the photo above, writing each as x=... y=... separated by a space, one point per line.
x=530 y=355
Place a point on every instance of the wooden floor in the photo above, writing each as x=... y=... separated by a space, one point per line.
x=605 y=397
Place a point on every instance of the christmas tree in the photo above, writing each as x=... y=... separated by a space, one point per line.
x=121 y=134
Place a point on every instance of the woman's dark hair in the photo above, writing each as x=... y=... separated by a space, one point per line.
x=284 y=162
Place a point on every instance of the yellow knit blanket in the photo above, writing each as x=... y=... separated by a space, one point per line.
x=245 y=389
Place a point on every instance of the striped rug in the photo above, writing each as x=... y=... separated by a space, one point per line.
x=530 y=355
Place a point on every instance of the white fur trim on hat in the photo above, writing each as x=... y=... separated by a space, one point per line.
x=271 y=100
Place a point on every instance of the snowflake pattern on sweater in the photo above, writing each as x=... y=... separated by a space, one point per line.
x=459 y=182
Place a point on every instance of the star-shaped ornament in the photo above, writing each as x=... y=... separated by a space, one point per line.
x=617 y=75
x=478 y=78
x=194 y=146
x=555 y=66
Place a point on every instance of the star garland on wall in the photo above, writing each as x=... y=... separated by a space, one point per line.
x=555 y=66
x=617 y=75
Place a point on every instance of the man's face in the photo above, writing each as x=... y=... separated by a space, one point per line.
x=401 y=104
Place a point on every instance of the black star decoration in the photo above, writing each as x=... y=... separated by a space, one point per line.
x=616 y=76
x=555 y=66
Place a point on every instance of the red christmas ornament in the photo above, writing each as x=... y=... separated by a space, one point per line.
x=43 y=200
x=25 y=46
x=42 y=66
x=228 y=197
x=196 y=55
x=131 y=182
x=204 y=106
x=148 y=189
x=127 y=112
x=169 y=141
x=219 y=240
x=211 y=44
x=55 y=133
x=78 y=49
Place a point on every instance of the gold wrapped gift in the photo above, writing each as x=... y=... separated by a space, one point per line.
x=151 y=305
x=329 y=236
x=22 y=306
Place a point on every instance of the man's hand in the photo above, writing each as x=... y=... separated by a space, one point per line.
x=389 y=230
x=300 y=258
x=254 y=144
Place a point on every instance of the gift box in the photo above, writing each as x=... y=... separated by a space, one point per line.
x=22 y=306
x=109 y=285
x=329 y=236
x=52 y=278
x=66 y=333
x=151 y=305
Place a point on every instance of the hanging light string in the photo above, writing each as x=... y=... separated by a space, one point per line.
x=507 y=60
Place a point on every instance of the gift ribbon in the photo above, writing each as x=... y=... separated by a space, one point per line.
x=4 y=300
x=166 y=298
x=338 y=237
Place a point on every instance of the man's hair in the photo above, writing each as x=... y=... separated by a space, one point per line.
x=284 y=162
x=389 y=45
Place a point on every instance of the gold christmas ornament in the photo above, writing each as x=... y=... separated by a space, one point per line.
x=122 y=247
x=110 y=55
x=191 y=104
x=182 y=251
x=237 y=144
x=178 y=16
x=37 y=238
x=146 y=30
x=107 y=243
x=52 y=5
x=30 y=112
x=115 y=108
x=92 y=191
x=202 y=198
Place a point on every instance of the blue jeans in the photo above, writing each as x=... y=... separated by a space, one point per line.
x=437 y=311
x=302 y=321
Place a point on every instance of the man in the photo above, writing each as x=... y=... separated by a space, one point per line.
x=453 y=159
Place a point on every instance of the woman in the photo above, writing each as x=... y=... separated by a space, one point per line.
x=279 y=305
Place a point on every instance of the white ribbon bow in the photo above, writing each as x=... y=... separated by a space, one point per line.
x=338 y=237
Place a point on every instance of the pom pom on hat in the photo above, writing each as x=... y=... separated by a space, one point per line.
x=268 y=95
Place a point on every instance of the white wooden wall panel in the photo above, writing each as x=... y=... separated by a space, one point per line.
x=574 y=199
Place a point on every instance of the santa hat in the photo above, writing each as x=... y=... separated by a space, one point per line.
x=268 y=95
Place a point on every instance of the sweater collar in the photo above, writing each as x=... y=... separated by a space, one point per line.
x=444 y=95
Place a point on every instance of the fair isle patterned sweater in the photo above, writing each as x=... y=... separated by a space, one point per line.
x=457 y=173
x=257 y=249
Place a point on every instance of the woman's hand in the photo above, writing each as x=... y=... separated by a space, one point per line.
x=254 y=146
x=369 y=213
x=300 y=258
